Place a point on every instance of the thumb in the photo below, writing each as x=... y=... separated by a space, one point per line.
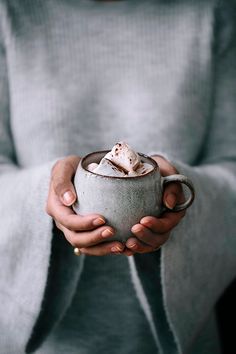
x=62 y=175
x=69 y=195
x=172 y=195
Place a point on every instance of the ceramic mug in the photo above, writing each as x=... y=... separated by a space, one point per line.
x=123 y=201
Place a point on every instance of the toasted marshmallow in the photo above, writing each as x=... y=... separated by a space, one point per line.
x=124 y=157
x=144 y=168
x=107 y=168
x=121 y=161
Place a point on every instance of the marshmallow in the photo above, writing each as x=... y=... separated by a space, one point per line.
x=106 y=168
x=123 y=156
x=121 y=161
x=91 y=167
x=143 y=168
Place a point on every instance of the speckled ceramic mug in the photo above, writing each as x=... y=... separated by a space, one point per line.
x=123 y=201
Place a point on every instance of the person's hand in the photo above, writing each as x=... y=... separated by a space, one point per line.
x=84 y=232
x=152 y=232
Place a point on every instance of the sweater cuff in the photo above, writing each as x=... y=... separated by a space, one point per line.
x=25 y=251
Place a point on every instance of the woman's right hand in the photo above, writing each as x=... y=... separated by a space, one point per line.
x=84 y=232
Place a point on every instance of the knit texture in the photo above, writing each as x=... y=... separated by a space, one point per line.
x=77 y=76
x=104 y=316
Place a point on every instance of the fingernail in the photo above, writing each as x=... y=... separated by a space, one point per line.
x=117 y=249
x=107 y=233
x=136 y=228
x=133 y=246
x=146 y=223
x=98 y=222
x=170 y=200
x=68 y=197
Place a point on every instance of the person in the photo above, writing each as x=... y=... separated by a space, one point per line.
x=75 y=77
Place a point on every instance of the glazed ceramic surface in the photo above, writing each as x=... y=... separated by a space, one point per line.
x=123 y=201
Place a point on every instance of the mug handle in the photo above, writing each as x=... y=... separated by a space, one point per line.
x=180 y=179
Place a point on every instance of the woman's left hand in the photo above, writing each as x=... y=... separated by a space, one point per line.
x=152 y=232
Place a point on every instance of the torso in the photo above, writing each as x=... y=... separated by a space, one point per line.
x=93 y=73
x=105 y=315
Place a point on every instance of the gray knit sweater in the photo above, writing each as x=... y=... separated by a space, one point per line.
x=78 y=75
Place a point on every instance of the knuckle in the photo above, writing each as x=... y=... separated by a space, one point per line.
x=71 y=162
x=73 y=244
x=80 y=224
x=59 y=184
x=68 y=225
x=56 y=166
x=72 y=157
x=47 y=209
x=96 y=236
x=48 y=203
x=58 y=225
x=50 y=210
x=70 y=228
x=72 y=239
x=84 y=223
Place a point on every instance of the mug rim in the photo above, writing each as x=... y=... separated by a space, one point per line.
x=155 y=167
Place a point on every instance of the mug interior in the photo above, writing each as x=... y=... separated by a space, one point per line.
x=98 y=155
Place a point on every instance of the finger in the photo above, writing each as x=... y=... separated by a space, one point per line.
x=74 y=222
x=88 y=238
x=148 y=237
x=105 y=249
x=62 y=174
x=165 y=223
x=173 y=194
x=58 y=225
x=165 y=166
x=128 y=252
x=137 y=246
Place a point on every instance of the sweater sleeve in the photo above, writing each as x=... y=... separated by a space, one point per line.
x=199 y=260
x=25 y=234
